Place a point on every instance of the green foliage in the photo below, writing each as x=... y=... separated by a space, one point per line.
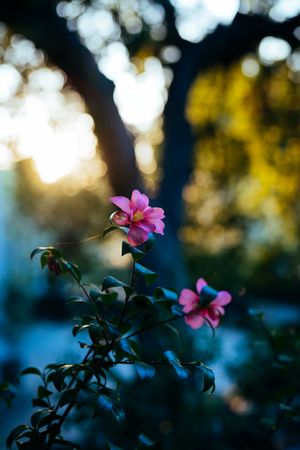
x=109 y=320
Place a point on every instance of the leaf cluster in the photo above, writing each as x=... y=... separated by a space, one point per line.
x=108 y=320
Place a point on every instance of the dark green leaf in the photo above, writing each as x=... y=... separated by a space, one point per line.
x=108 y=297
x=208 y=380
x=37 y=417
x=167 y=294
x=144 y=442
x=126 y=347
x=148 y=275
x=31 y=371
x=207 y=295
x=16 y=433
x=181 y=371
x=111 y=282
x=146 y=246
x=177 y=310
x=78 y=328
x=145 y=371
x=57 y=377
x=77 y=299
x=44 y=259
x=40 y=403
x=176 y=333
x=43 y=392
x=67 y=266
x=145 y=303
x=67 y=396
x=95 y=333
x=51 y=251
x=107 y=404
x=135 y=252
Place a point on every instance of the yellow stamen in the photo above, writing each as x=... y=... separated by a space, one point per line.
x=137 y=216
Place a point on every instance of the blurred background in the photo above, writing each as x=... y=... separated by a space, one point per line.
x=197 y=103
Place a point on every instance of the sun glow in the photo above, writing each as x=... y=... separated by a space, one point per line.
x=56 y=150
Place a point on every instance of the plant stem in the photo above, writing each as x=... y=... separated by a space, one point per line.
x=132 y=274
x=127 y=296
x=170 y=319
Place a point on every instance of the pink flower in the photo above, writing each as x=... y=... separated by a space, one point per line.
x=141 y=218
x=207 y=304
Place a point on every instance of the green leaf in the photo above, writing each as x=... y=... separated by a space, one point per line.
x=135 y=252
x=145 y=371
x=50 y=251
x=39 y=403
x=57 y=377
x=95 y=333
x=108 y=297
x=31 y=371
x=207 y=295
x=208 y=380
x=177 y=310
x=168 y=294
x=78 y=328
x=111 y=282
x=67 y=266
x=125 y=346
x=144 y=303
x=144 y=442
x=67 y=396
x=181 y=371
x=148 y=275
x=43 y=392
x=107 y=404
x=77 y=299
x=16 y=433
x=176 y=333
x=147 y=246
x=37 y=417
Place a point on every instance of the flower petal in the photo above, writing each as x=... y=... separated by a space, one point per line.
x=122 y=202
x=136 y=235
x=149 y=227
x=139 y=201
x=194 y=320
x=212 y=316
x=157 y=223
x=120 y=218
x=200 y=285
x=188 y=298
x=154 y=213
x=222 y=299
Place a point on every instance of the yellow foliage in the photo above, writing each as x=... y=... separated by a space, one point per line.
x=247 y=162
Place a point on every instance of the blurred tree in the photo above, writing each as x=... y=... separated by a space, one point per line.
x=40 y=22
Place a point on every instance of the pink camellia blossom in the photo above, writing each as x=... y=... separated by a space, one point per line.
x=139 y=216
x=206 y=305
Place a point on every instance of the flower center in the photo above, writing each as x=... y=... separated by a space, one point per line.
x=137 y=216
